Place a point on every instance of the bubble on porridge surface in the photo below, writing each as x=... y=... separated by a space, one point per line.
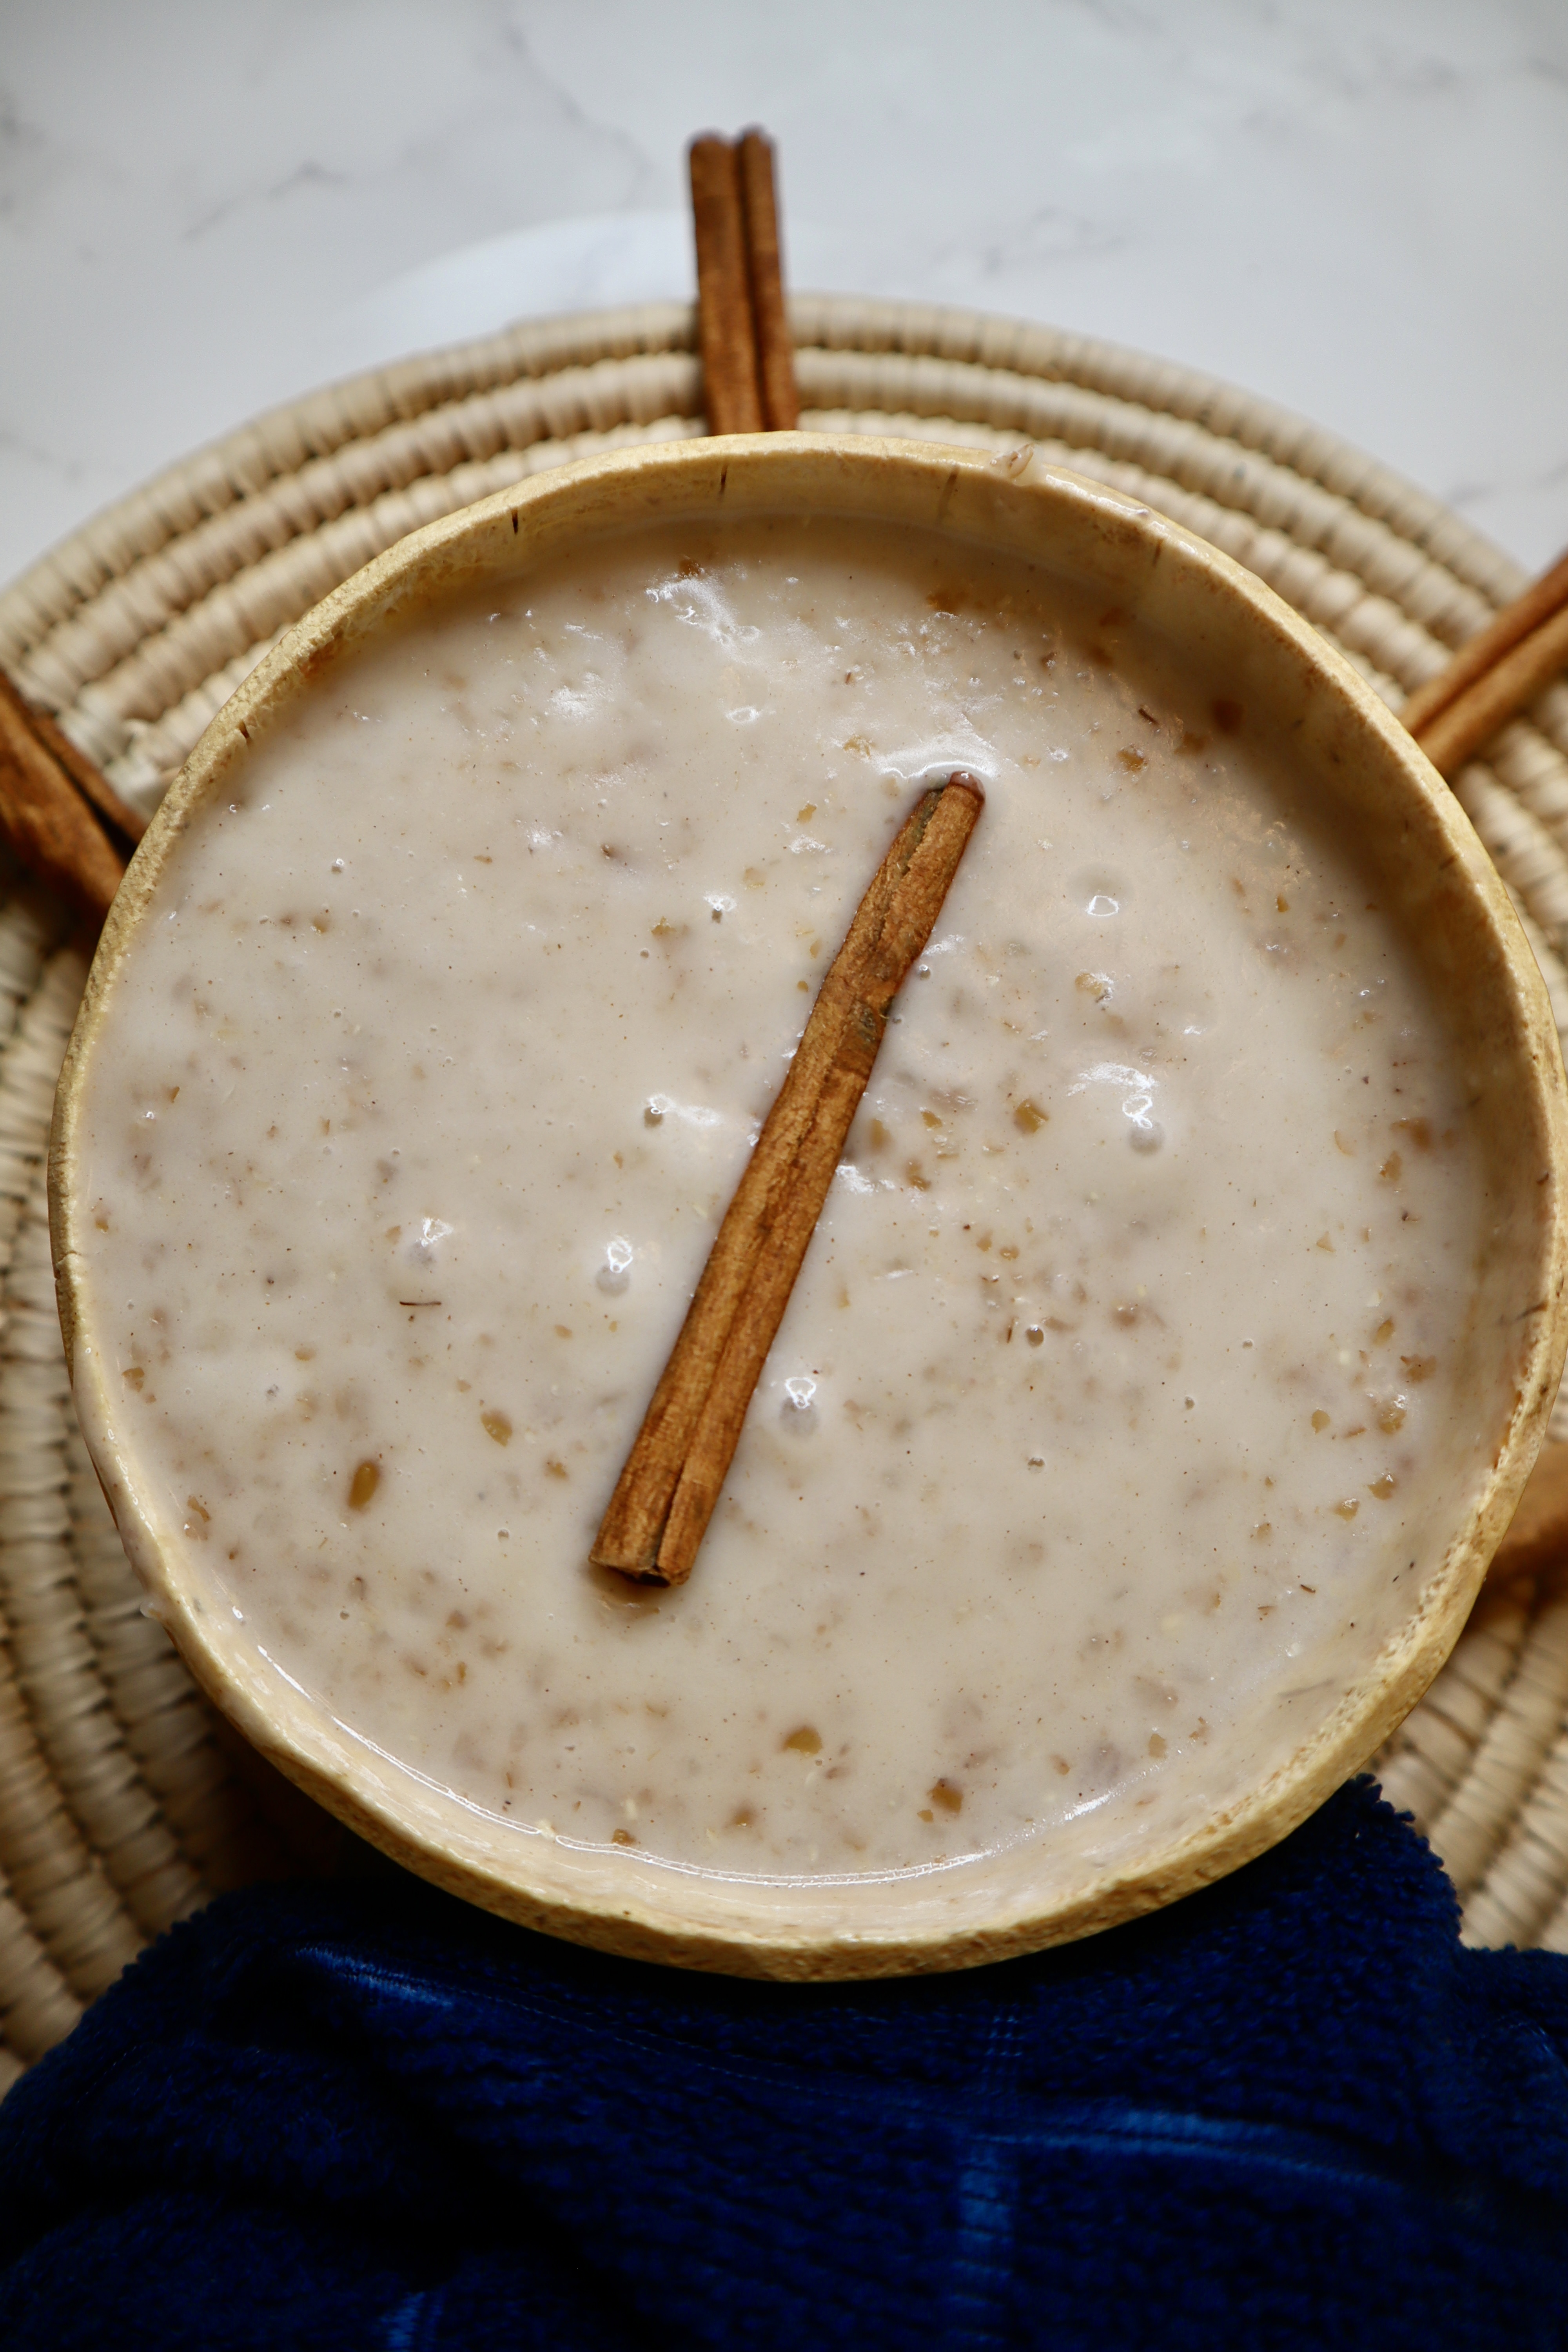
x=615 y=1274
x=431 y=1232
x=1146 y=1132
x=798 y=1411
x=659 y=1108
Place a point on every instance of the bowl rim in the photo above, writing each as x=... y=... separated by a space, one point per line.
x=742 y=1932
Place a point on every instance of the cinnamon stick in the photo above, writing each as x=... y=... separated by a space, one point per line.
x=125 y=824
x=46 y=818
x=765 y=270
x=666 y=1494
x=1538 y=1535
x=1477 y=654
x=1474 y=716
x=727 y=333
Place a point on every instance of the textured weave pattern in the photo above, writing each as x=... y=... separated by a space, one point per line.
x=123 y=1802
x=1288 y=2112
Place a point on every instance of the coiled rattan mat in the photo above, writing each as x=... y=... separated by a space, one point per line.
x=125 y=1802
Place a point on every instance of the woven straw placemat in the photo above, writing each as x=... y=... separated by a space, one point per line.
x=125 y=1802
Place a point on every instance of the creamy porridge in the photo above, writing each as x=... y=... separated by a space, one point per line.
x=1119 y=1376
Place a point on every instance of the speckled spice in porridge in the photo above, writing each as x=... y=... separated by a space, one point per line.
x=1115 y=1380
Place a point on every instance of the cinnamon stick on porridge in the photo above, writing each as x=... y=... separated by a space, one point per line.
x=665 y=1495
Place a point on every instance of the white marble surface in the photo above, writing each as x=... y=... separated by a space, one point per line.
x=1357 y=207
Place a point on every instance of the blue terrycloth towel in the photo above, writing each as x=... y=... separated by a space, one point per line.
x=1291 y=2110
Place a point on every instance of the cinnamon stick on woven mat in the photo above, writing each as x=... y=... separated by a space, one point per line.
x=666 y=1494
x=748 y=360
x=1495 y=675
x=63 y=820
x=1538 y=1535
x=764 y=271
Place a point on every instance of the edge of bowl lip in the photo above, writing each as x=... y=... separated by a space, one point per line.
x=1367 y=1713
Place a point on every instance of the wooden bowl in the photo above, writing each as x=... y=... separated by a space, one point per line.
x=1451 y=907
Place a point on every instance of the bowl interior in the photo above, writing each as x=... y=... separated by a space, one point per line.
x=1299 y=1741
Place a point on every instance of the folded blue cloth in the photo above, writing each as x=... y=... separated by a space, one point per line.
x=1290 y=2111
